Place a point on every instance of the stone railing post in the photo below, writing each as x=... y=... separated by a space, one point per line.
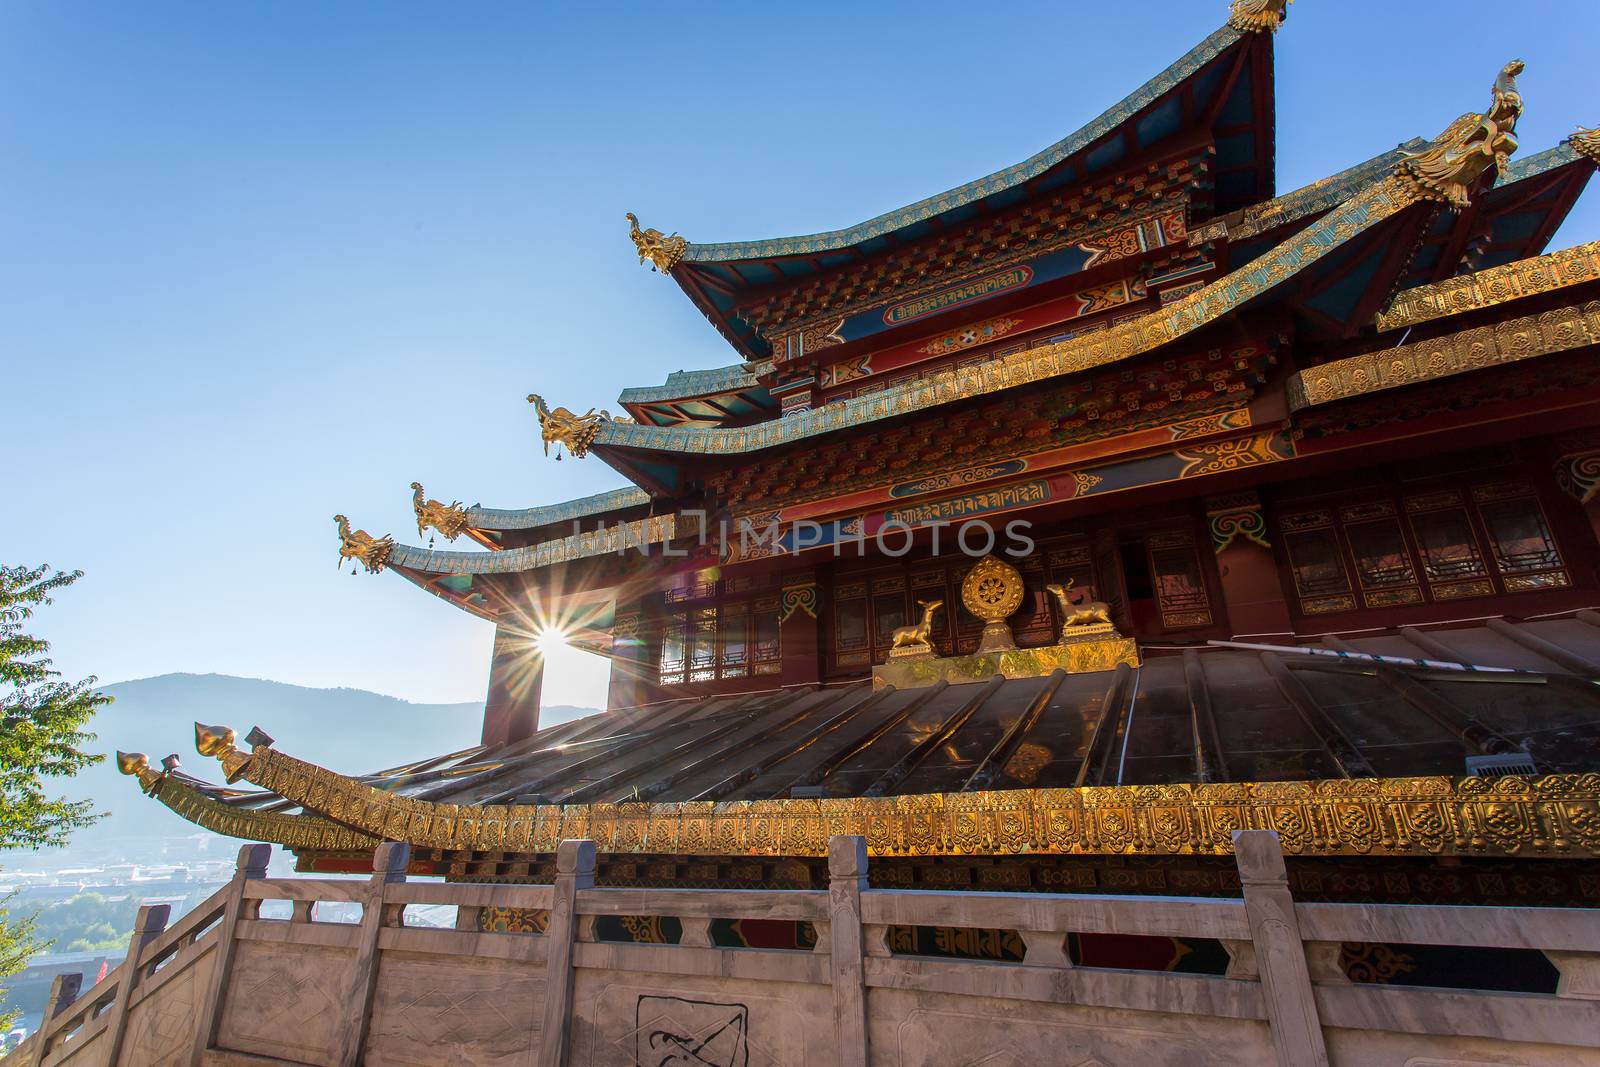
x=147 y=926
x=63 y=995
x=1580 y=974
x=574 y=871
x=847 y=880
x=1280 y=955
x=252 y=865
x=389 y=863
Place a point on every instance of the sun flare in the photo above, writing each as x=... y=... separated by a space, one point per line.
x=550 y=640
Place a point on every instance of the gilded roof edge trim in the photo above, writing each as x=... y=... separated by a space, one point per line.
x=273 y=827
x=1557 y=330
x=1125 y=340
x=1553 y=815
x=613 y=539
x=1497 y=285
x=832 y=240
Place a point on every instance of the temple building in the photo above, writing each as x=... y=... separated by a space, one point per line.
x=1046 y=533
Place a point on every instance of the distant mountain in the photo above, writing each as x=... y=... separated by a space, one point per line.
x=348 y=730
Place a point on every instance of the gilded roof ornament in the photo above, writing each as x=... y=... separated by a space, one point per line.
x=993 y=591
x=1458 y=158
x=371 y=552
x=219 y=741
x=561 y=427
x=1587 y=142
x=1258 y=16
x=661 y=250
x=137 y=764
x=449 y=519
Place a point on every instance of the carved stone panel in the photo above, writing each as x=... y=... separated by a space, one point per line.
x=641 y=1020
x=161 y=1023
x=286 y=1001
x=930 y=1030
x=432 y=1011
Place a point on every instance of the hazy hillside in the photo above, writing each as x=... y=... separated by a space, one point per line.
x=350 y=730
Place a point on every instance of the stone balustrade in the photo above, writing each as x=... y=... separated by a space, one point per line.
x=229 y=985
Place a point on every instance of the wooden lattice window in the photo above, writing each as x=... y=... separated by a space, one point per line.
x=1180 y=585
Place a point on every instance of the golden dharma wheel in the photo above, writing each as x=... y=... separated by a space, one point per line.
x=992 y=590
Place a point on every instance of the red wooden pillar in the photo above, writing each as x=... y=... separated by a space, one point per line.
x=800 y=628
x=516 y=677
x=1252 y=588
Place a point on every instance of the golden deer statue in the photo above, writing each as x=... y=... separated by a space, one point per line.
x=918 y=638
x=1078 y=615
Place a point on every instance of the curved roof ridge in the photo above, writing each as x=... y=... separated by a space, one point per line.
x=689 y=383
x=999 y=181
x=1538 y=163
x=1132 y=337
x=481 y=518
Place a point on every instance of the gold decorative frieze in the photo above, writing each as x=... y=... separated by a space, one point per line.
x=1558 y=330
x=368 y=551
x=660 y=250
x=1452 y=166
x=448 y=519
x=274 y=827
x=1552 y=815
x=1497 y=285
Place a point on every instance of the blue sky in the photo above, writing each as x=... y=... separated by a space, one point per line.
x=262 y=263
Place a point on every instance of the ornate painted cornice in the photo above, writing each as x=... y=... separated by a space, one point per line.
x=278 y=828
x=1236 y=516
x=1555 y=815
x=368 y=551
x=1122 y=341
x=1497 y=285
x=1511 y=341
x=530 y=518
x=1012 y=176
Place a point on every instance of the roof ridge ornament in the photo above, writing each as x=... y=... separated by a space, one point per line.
x=1468 y=147
x=561 y=427
x=370 y=552
x=1587 y=142
x=662 y=250
x=448 y=519
x=1258 y=16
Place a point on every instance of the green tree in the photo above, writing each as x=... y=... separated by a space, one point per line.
x=42 y=735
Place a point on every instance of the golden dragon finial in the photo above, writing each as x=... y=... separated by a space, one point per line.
x=370 y=552
x=1258 y=16
x=1459 y=157
x=562 y=427
x=449 y=519
x=1587 y=142
x=661 y=250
